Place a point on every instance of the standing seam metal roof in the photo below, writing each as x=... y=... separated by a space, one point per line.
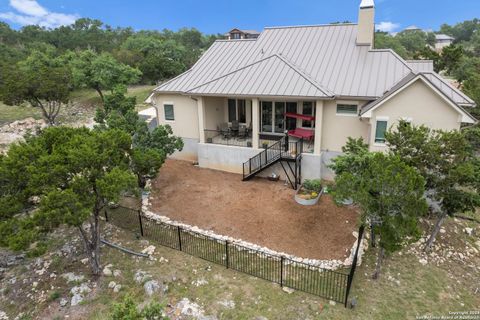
x=312 y=61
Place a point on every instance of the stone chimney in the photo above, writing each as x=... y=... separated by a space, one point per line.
x=366 y=23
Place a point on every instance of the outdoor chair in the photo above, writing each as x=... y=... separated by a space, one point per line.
x=235 y=126
x=224 y=130
x=242 y=132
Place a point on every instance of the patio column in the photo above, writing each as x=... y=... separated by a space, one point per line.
x=317 y=145
x=201 y=119
x=255 y=122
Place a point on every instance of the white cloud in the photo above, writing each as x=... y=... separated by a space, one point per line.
x=31 y=12
x=387 y=26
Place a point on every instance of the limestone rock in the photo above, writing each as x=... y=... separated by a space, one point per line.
x=151 y=287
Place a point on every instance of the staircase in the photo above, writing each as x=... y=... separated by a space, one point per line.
x=281 y=151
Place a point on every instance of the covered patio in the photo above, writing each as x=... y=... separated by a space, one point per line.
x=256 y=123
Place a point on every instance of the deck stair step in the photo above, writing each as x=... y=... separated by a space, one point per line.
x=280 y=151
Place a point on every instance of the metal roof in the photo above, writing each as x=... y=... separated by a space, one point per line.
x=285 y=78
x=433 y=79
x=325 y=59
x=421 y=65
x=443 y=37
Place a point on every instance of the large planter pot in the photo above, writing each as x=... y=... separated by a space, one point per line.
x=306 y=202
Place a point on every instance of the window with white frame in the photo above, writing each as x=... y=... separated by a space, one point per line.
x=169 y=113
x=380 y=129
x=237 y=110
x=347 y=109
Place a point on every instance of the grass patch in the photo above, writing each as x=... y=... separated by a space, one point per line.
x=13 y=113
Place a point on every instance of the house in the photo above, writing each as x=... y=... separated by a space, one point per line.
x=314 y=86
x=236 y=34
x=442 y=40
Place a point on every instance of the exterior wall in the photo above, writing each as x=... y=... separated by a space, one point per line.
x=214 y=112
x=337 y=128
x=420 y=104
x=185 y=124
x=189 y=151
x=225 y=158
x=327 y=158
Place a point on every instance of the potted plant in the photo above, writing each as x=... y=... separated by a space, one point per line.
x=265 y=145
x=309 y=192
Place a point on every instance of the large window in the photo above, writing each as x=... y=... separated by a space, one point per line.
x=237 y=110
x=267 y=114
x=307 y=109
x=279 y=117
x=242 y=112
x=380 y=131
x=291 y=123
x=347 y=109
x=169 y=114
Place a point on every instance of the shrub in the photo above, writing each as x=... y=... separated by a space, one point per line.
x=314 y=185
x=128 y=310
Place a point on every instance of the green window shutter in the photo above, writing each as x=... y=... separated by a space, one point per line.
x=347 y=108
x=380 y=131
x=169 y=114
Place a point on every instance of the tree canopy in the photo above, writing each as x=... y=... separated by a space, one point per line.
x=41 y=80
x=447 y=162
x=389 y=193
x=75 y=173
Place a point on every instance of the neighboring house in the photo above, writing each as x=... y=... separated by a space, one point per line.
x=237 y=34
x=442 y=40
x=324 y=83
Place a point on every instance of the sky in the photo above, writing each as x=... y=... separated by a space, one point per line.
x=215 y=16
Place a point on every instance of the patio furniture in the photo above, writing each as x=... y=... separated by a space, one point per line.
x=235 y=127
x=242 y=132
x=224 y=130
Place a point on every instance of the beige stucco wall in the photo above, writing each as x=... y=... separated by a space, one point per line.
x=214 y=112
x=337 y=128
x=420 y=104
x=185 y=124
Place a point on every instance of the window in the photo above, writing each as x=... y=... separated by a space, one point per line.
x=237 y=111
x=267 y=114
x=307 y=110
x=279 y=117
x=380 y=131
x=291 y=123
x=347 y=109
x=242 y=112
x=232 y=110
x=169 y=114
x=235 y=35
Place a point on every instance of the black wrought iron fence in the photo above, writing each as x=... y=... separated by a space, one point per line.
x=333 y=285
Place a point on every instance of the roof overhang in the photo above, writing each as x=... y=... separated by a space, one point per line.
x=465 y=116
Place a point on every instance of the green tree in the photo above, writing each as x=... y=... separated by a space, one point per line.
x=100 y=71
x=388 y=192
x=40 y=80
x=446 y=161
x=150 y=148
x=75 y=173
x=451 y=56
x=384 y=40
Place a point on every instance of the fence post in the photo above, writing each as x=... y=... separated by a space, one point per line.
x=354 y=264
x=140 y=222
x=281 y=271
x=106 y=216
x=226 y=253
x=179 y=238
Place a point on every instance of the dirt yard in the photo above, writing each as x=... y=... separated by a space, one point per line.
x=258 y=211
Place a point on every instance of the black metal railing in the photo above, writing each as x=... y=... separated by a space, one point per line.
x=282 y=148
x=333 y=285
x=228 y=138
